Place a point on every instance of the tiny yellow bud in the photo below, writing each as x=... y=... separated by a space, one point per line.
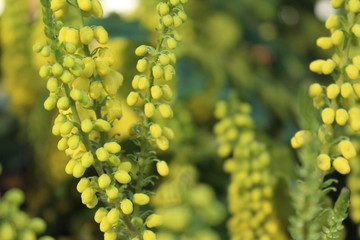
x=87 y=195
x=294 y=143
x=324 y=43
x=126 y=206
x=78 y=170
x=315 y=90
x=84 y=5
x=177 y=21
x=141 y=199
x=101 y=35
x=332 y=91
x=162 y=168
x=44 y=71
x=149 y=109
x=50 y=103
x=87 y=125
x=72 y=36
x=346 y=90
x=337 y=3
x=167 y=20
x=105 y=225
x=324 y=162
x=162 y=143
x=167 y=92
x=149 y=235
x=182 y=15
x=112 y=147
x=316 y=66
x=82 y=184
x=102 y=66
x=171 y=43
x=347 y=149
x=96 y=90
x=155 y=130
x=37 y=47
x=104 y=181
x=122 y=177
x=157 y=71
x=156 y=92
x=164 y=59
x=165 y=111
x=341 y=165
x=45 y=51
x=352 y=72
x=89 y=67
x=57 y=5
x=66 y=128
x=57 y=69
x=354 y=6
x=141 y=51
x=66 y=77
x=74 y=142
x=356 y=30
x=168 y=133
x=332 y=22
x=63 y=103
x=97 y=9
x=102 y=154
x=142 y=65
x=143 y=83
x=68 y=62
x=132 y=98
x=112 y=192
x=100 y=214
x=126 y=166
x=356 y=87
x=102 y=125
x=337 y=37
x=328 y=67
x=174 y=2
x=169 y=72
x=341 y=116
x=328 y=115
x=87 y=159
x=163 y=8
x=113 y=215
x=62 y=144
x=86 y=35
x=76 y=94
x=154 y=220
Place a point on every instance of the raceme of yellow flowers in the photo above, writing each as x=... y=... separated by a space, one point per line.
x=250 y=193
x=83 y=87
x=338 y=100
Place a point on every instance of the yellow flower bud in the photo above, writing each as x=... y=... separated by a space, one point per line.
x=356 y=87
x=346 y=90
x=72 y=36
x=122 y=177
x=63 y=103
x=163 y=8
x=328 y=67
x=332 y=91
x=70 y=166
x=105 y=225
x=315 y=90
x=45 y=51
x=341 y=165
x=149 y=109
x=328 y=115
x=57 y=69
x=167 y=92
x=162 y=143
x=143 y=83
x=102 y=125
x=78 y=170
x=324 y=43
x=87 y=195
x=157 y=71
x=100 y=214
x=174 y=2
x=162 y=168
x=335 y=57
x=171 y=43
x=50 y=103
x=62 y=144
x=155 y=130
x=87 y=125
x=167 y=20
x=87 y=159
x=104 y=181
x=113 y=216
x=347 y=149
x=169 y=72
x=96 y=89
x=101 y=35
x=112 y=147
x=57 y=5
x=97 y=9
x=165 y=111
x=156 y=92
x=356 y=30
x=37 y=47
x=126 y=206
x=44 y=71
x=102 y=66
x=66 y=128
x=154 y=220
x=337 y=3
x=354 y=6
x=112 y=192
x=84 y=5
x=82 y=184
x=337 y=37
x=302 y=136
x=316 y=66
x=177 y=21
x=294 y=143
x=86 y=35
x=324 y=162
x=74 y=142
x=132 y=98
x=168 y=133
x=62 y=34
x=182 y=15
x=341 y=116
x=149 y=235
x=114 y=109
x=68 y=62
x=352 y=72
x=141 y=199
x=76 y=94
x=142 y=65
x=102 y=154
x=141 y=51
x=56 y=129
x=66 y=77
x=164 y=59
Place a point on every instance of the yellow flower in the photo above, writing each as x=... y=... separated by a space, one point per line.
x=347 y=149
x=162 y=168
x=341 y=165
x=324 y=162
x=141 y=198
x=126 y=206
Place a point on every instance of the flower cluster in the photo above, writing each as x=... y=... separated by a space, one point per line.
x=83 y=86
x=250 y=193
x=337 y=101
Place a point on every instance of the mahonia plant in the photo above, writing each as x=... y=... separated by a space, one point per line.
x=83 y=86
x=251 y=190
x=16 y=224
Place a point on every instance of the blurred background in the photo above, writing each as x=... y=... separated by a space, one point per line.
x=258 y=49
